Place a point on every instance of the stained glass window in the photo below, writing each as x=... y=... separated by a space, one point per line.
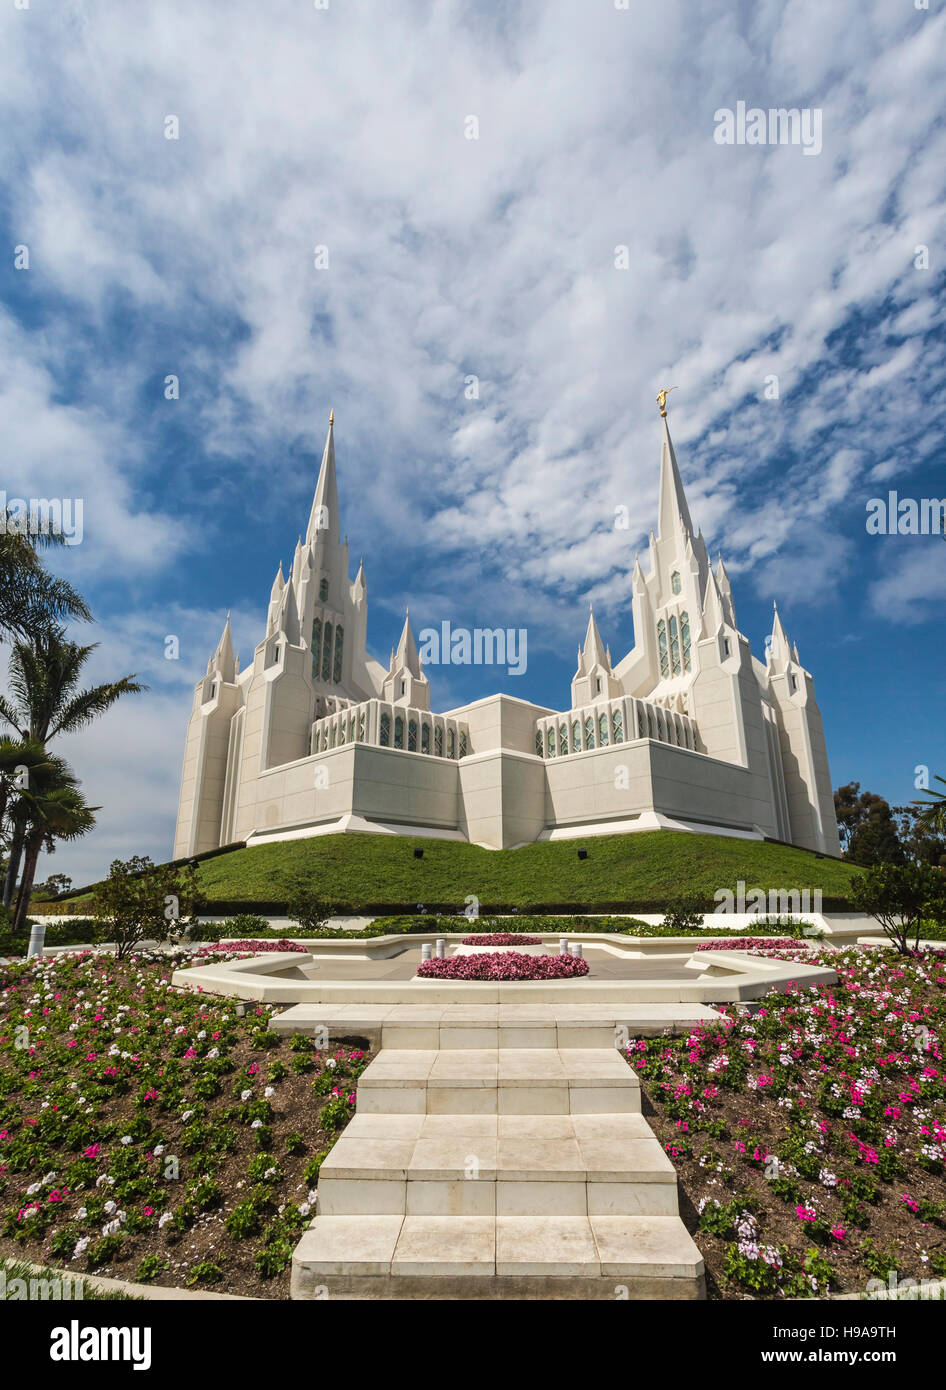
x=399 y=732
x=662 y=647
x=685 y=637
x=538 y=743
x=425 y=738
x=327 y=652
x=412 y=736
x=438 y=741
x=462 y=743
x=617 y=727
x=385 y=730
x=316 y=646
x=674 y=648
x=563 y=740
x=576 y=736
x=675 y=582
x=337 y=666
x=361 y=728
x=323 y=590
x=603 y=731
x=551 y=743
x=641 y=726
x=589 y=732
x=451 y=743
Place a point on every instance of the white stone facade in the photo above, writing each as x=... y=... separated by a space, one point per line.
x=688 y=730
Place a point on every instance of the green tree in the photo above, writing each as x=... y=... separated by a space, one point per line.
x=32 y=599
x=142 y=900
x=932 y=810
x=866 y=826
x=901 y=897
x=45 y=700
x=58 y=813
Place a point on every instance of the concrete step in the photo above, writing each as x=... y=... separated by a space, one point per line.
x=514 y=1165
x=393 y=1256
x=442 y=1025
x=480 y=1081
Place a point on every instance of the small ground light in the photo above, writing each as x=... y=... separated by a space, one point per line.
x=418 y=854
x=582 y=854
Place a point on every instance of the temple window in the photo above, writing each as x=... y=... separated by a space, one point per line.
x=438 y=742
x=451 y=743
x=327 y=652
x=551 y=743
x=662 y=646
x=412 y=736
x=675 y=581
x=385 y=735
x=563 y=740
x=399 y=732
x=323 y=589
x=316 y=646
x=603 y=731
x=337 y=665
x=617 y=727
x=425 y=738
x=674 y=648
x=589 y=733
x=685 y=638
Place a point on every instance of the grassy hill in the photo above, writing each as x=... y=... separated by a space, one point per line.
x=642 y=871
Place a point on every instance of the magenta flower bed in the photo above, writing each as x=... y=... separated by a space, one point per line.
x=501 y=938
x=748 y=943
x=251 y=948
x=503 y=965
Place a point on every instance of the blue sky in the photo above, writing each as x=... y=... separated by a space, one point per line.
x=493 y=257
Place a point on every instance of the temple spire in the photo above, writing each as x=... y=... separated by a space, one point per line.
x=223 y=657
x=593 y=650
x=674 y=514
x=324 y=514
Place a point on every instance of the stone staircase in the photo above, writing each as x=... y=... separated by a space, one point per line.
x=497 y=1161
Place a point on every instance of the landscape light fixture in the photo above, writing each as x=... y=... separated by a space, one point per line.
x=582 y=854
x=418 y=854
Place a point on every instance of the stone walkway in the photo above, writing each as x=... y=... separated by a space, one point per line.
x=497 y=1151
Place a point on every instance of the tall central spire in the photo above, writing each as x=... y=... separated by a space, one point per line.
x=674 y=514
x=324 y=514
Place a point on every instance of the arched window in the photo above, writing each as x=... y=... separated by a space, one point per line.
x=327 y=652
x=662 y=648
x=589 y=732
x=385 y=735
x=316 y=646
x=451 y=743
x=399 y=732
x=425 y=738
x=538 y=743
x=337 y=666
x=550 y=743
x=438 y=741
x=331 y=737
x=641 y=726
x=603 y=731
x=674 y=648
x=361 y=727
x=462 y=743
x=685 y=638
x=576 y=735
x=412 y=736
x=617 y=727
x=675 y=582
x=323 y=589
x=563 y=740
x=650 y=722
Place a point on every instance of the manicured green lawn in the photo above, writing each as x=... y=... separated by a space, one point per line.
x=643 y=871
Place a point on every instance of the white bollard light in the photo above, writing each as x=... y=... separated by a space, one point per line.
x=577 y=950
x=563 y=945
x=37 y=939
x=441 y=947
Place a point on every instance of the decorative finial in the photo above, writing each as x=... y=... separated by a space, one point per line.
x=331 y=416
x=662 y=395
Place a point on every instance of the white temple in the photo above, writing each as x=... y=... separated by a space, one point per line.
x=688 y=731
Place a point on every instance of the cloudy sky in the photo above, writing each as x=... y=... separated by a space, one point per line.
x=528 y=194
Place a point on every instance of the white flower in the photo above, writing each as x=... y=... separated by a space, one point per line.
x=82 y=1213
x=126 y=1139
x=158 y=1150
x=331 y=1062
x=163 y=1220
x=269 y=1092
x=270 y=1173
x=257 y=1124
x=304 y=1209
x=245 y=1095
x=213 y=1053
x=81 y=1247
x=110 y=1207
x=33 y=1188
x=186 y=1116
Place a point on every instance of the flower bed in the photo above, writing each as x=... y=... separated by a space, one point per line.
x=151 y=1134
x=503 y=965
x=810 y=1137
x=247 y=948
x=750 y=943
x=501 y=938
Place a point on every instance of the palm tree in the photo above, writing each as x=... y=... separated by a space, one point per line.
x=30 y=597
x=933 y=815
x=59 y=813
x=45 y=701
x=15 y=755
